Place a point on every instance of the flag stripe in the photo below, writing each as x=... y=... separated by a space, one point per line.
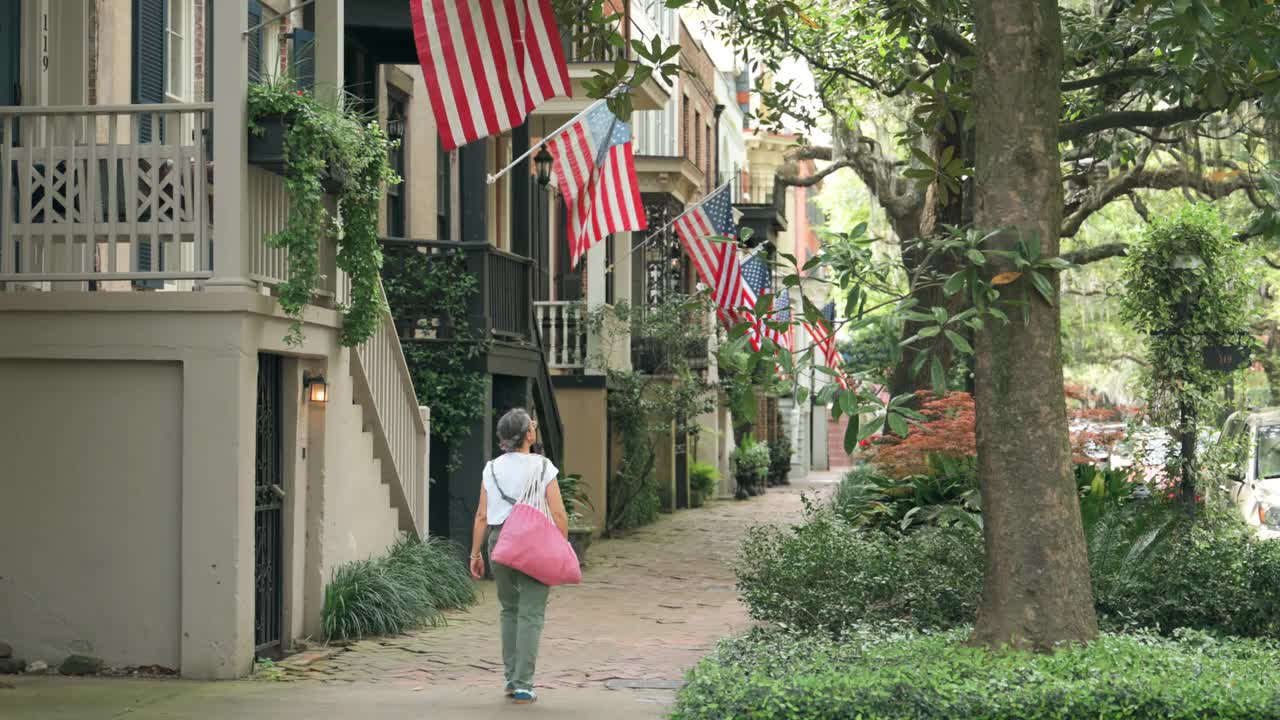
x=486 y=63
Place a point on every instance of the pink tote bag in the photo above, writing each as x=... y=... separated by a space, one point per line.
x=531 y=543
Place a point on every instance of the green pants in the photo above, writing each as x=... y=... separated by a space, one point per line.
x=524 y=606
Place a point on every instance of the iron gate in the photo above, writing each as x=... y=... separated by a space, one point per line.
x=268 y=612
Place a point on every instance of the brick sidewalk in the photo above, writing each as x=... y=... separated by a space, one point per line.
x=617 y=646
x=650 y=605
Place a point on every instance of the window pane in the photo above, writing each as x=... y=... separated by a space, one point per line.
x=1269 y=451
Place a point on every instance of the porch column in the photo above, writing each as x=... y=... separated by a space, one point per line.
x=218 y=460
x=231 y=258
x=330 y=48
x=595 y=270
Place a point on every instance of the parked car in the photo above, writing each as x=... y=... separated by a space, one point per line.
x=1256 y=488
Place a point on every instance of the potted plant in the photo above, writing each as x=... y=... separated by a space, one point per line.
x=324 y=148
x=575 y=498
x=779 y=462
x=703 y=478
x=750 y=467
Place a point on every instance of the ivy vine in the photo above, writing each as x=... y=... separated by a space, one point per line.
x=326 y=141
x=430 y=296
x=1187 y=286
x=649 y=400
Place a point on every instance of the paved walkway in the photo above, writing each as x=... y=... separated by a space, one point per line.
x=650 y=606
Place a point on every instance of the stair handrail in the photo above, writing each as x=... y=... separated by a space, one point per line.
x=401 y=436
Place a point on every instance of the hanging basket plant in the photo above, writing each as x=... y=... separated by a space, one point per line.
x=324 y=149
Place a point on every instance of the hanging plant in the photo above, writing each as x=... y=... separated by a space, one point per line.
x=327 y=144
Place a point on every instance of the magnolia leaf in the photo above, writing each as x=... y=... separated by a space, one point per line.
x=870 y=429
x=898 y=425
x=852 y=435
x=1043 y=286
x=1005 y=278
x=959 y=342
x=954 y=284
x=976 y=257
x=938 y=376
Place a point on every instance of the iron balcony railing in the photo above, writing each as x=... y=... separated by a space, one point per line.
x=499 y=310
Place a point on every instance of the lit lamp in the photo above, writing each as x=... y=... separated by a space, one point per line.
x=316 y=388
x=542 y=161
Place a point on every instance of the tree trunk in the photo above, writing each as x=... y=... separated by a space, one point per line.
x=1036 y=590
x=1270 y=361
x=926 y=223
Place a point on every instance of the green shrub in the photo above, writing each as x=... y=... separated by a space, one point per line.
x=411 y=585
x=824 y=574
x=779 y=461
x=870 y=674
x=946 y=495
x=1153 y=568
x=703 y=478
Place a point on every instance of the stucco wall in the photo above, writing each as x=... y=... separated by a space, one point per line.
x=359 y=520
x=90 y=510
x=109 y=396
x=585 y=415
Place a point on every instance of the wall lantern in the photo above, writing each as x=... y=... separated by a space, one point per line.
x=316 y=389
x=542 y=161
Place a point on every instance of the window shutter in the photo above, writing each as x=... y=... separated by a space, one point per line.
x=149 y=64
x=304 y=59
x=255 y=41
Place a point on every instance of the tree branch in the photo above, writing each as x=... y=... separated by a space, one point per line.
x=1130 y=119
x=1166 y=178
x=951 y=40
x=1108 y=78
x=1094 y=254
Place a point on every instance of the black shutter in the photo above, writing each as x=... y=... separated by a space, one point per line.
x=149 y=64
x=208 y=61
x=255 y=41
x=304 y=59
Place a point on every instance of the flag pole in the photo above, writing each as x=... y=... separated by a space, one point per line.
x=653 y=235
x=491 y=179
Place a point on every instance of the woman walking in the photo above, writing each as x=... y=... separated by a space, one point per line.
x=523 y=599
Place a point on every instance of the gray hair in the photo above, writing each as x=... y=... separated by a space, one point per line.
x=512 y=427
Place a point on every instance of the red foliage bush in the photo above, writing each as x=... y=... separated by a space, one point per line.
x=948 y=430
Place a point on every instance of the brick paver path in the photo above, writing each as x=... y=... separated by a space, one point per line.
x=650 y=605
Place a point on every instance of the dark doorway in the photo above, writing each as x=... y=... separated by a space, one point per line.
x=268 y=575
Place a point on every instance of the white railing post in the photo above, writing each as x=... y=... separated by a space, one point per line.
x=595 y=301
x=424 y=477
x=231 y=260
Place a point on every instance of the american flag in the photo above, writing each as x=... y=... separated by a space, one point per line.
x=782 y=314
x=487 y=64
x=759 y=277
x=824 y=340
x=596 y=173
x=712 y=218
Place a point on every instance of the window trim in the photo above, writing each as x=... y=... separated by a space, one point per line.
x=184 y=29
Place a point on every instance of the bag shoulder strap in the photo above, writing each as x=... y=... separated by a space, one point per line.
x=535 y=491
x=493 y=473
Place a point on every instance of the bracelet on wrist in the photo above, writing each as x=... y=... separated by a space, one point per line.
x=476 y=556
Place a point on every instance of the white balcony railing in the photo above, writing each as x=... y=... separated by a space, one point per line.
x=99 y=193
x=564 y=333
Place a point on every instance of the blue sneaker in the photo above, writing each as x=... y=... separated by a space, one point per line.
x=524 y=697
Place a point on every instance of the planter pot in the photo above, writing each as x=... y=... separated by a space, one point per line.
x=267 y=152
x=695 y=499
x=580 y=540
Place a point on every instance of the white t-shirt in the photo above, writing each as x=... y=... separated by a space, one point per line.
x=514 y=471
